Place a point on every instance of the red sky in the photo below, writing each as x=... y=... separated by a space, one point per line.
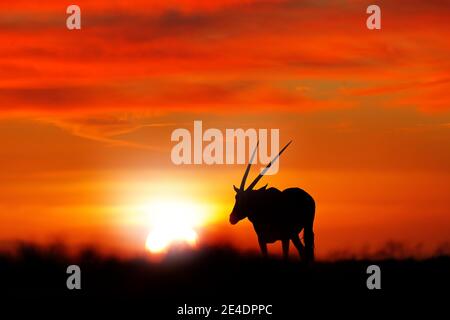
x=86 y=115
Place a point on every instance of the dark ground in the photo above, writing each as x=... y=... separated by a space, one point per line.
x=216 y=276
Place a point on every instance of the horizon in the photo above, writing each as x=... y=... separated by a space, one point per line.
x=86 y=118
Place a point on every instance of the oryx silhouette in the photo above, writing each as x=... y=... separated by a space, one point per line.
x=276 y=215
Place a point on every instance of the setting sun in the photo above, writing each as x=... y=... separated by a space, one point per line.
x=172 y=222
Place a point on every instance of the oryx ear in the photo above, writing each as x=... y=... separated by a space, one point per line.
x=263 y=188
x=235 y=189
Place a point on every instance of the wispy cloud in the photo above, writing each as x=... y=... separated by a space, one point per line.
x=222 y=56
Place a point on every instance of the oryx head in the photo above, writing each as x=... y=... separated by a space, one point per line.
x=242 y=204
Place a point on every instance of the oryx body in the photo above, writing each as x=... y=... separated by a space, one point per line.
x=277 y=215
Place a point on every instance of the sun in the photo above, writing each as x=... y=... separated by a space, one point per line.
x=172 y=222
x=161 y=239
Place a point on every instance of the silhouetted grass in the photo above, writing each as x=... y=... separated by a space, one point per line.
x=212 y=275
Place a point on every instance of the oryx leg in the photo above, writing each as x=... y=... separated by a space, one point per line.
x=263 y=247
x=299 y=246
x=285 y=245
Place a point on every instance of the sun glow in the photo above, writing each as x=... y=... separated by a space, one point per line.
x=172 y=222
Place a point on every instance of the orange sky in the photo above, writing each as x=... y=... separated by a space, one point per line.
x=86 y=116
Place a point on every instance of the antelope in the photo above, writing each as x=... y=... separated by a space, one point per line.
x=276 y=215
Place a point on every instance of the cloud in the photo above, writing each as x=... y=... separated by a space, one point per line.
x=221 y=57
x=109 y=129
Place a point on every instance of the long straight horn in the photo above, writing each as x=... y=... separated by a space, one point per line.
x=253 y=184
x=244 y=178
